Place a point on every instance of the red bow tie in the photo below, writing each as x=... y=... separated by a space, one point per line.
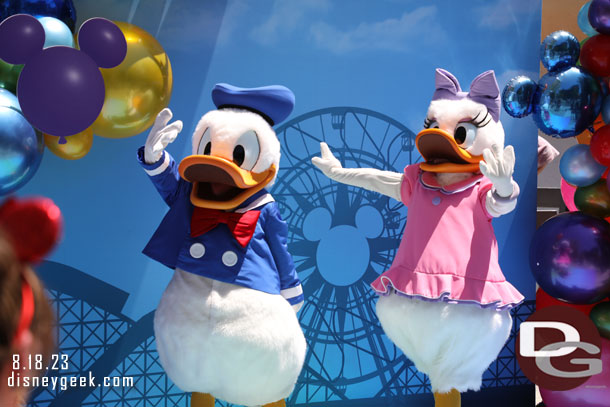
x=242 y=225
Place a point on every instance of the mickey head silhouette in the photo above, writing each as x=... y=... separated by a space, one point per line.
x=344 y=251
x=61 y=90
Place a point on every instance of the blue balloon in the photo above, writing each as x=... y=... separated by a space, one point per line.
x=7 y=99
x=567 y=102
x=559 y=50
x=61 y=9
x=21 y=149
x=518 y=95
x=570 y=257
x=583 y=20
x=578 y=167
x=56 y=32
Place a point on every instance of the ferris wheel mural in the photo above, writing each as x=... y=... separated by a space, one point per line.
x=341 y=239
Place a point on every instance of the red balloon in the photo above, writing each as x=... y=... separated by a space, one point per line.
x=600 y=145
x=595 y=55
x=33 y=225
x=544 y=300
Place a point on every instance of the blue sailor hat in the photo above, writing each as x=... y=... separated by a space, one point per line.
x=273 y=103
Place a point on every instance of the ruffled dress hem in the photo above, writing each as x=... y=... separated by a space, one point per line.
x=452 y=289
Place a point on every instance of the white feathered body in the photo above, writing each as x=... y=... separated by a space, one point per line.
x=240 y=345
x=452 y=343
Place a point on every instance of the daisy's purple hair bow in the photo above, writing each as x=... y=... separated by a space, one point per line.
x=483 y=89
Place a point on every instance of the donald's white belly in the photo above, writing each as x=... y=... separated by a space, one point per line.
x=241 y=345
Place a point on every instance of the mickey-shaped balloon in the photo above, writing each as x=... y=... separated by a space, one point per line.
x=61 y=90
x=566 y=100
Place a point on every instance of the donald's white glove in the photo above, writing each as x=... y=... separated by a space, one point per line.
x=499 y=167
x=161 y=134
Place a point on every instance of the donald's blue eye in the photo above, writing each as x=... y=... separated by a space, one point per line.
x=205 y=144
x=239 y=155
x=246 y=151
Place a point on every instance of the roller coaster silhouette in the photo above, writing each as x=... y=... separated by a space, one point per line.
x=350 y=362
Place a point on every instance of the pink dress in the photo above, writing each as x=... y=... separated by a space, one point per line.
x=449 y=250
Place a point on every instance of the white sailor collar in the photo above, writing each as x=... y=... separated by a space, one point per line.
x=429 y=181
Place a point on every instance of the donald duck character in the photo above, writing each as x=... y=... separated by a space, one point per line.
x=226 y=325
x=444 y=301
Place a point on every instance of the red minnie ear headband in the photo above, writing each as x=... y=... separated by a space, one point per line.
x=33 y=227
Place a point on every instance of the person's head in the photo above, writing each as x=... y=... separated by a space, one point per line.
x=26 y=318
x=17 y=340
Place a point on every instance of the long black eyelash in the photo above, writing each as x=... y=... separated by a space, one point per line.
x=427 y=123
x=483 y=122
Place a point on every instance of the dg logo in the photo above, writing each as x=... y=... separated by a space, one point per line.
x=559 y=348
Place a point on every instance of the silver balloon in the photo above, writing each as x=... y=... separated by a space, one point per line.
x=7 y=99
x=21 y=149
x=583 y=21
x=578 y=167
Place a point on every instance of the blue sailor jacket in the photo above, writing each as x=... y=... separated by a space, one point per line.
x=264 y=264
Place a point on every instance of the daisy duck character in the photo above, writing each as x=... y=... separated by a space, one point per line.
x=226 y=325
x=444 y=301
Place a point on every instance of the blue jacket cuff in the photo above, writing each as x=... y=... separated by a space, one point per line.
x=296 y=300
x=154 y=168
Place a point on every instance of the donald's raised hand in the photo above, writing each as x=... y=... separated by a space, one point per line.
x=161 y=134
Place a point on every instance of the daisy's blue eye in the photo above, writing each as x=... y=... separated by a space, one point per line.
x=465 y=134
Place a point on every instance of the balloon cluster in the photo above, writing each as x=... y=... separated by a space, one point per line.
x=566 y=100
x=58 y=89
x=572 y=100
x=570 y=253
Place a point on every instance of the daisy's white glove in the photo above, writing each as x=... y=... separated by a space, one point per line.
x=161 y=134
x=385 y=182
x=327 y=163
x=499 y=167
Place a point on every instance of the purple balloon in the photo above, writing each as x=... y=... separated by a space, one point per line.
x=21 y=37
x=61 y=91
x=570 y=257
x=599 y=15
x=103 y=41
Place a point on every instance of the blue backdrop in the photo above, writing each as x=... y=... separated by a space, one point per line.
x=363 y=74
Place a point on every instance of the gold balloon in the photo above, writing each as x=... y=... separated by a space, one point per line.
x=76 y=146
x=136 y=90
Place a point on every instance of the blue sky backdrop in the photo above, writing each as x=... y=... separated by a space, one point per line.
x=376 y=55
